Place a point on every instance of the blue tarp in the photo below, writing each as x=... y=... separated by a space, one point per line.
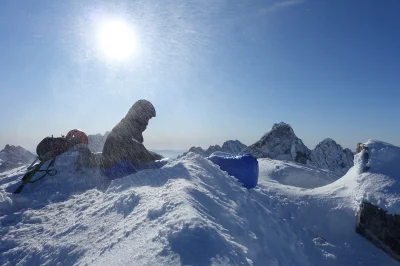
x=244 y=167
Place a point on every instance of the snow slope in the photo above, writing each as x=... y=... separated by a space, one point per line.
x=294 y=174
x=192 y=213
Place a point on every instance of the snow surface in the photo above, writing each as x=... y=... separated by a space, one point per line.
x=190 y=212
x=294 y=174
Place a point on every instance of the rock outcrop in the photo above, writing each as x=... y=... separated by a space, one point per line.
x=331 y=156
x=379 y=227
x=280 y=143
x=230 y=146
x=14 y=156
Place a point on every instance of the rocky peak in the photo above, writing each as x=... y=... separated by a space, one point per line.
x=197 y=150
x=331 y=156
x=233 y=146
x=280 y=143
x=230 y=146
x=13 y=156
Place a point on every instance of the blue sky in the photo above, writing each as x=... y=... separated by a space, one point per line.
x=214 y=70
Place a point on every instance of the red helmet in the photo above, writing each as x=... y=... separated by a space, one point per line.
x=76 y=133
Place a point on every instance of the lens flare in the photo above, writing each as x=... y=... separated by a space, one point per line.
x=117 y=40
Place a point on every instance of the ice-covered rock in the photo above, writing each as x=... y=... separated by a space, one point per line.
x=280 y=143
x=96 y=142
x=233 y=147
x=331 y=156
x=14 y=156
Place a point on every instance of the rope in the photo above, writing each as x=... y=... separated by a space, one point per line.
x=50 y=172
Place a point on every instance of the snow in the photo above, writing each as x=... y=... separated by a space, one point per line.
x=190 y=212
x=294 y=174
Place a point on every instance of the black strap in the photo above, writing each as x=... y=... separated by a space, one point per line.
x=29 y=175
x=50 y=172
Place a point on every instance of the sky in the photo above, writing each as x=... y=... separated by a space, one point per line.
x=214 y=70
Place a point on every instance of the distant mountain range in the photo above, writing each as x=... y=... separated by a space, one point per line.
x=230 y=146
x=14 y=156
x=282 y=143
x=279 y=143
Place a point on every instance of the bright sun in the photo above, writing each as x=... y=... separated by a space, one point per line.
x=117 y=40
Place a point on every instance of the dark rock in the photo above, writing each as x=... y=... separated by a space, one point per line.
x=379 y=227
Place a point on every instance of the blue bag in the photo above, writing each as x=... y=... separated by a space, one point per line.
x=244 y=167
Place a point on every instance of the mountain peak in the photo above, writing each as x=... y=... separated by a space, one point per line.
x=282 y=126
x=280 y=143
x=14 y=156
x=229 y=146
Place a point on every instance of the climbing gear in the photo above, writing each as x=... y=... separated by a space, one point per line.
x=30 y=174
x=78 y=134
x=56 y=146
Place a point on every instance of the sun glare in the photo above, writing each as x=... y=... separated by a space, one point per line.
x=117 y=40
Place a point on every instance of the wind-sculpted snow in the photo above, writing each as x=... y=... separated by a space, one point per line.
x=374 y=179
x=187 y=213
x=294 y=174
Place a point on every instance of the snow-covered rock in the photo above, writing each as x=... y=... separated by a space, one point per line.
x=191 y=213
x=96 y=142
x=373 y=178
x=231 y=146
x=280 y=143
x=331 y=156
x=14 y=156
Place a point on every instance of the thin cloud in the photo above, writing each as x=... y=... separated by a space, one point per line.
x=281 y=5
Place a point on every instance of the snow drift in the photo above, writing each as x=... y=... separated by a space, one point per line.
x=190 y=212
